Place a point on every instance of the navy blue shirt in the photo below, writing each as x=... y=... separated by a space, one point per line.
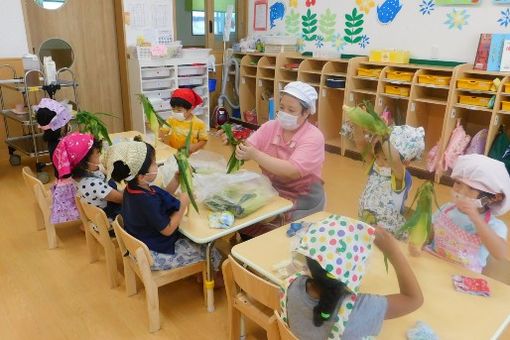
x=146 y=213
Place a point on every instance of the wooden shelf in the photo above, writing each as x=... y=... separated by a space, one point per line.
x=492 y=93
x=398 y=82
x=289 y=69
x=486 y=73
x=314 y=84
x=265 y=78
x=249 y=76
x=334 y=88
x=503 y=112
x=394 y=96
x=430 y=101
x=472 y=107
x=506 y=94
x=249 y=65
x=337 y=74
x=373 y=93
x=268 y=67
x=335 y=141
x=432 y=86
x=365 y=78
x=311 y=72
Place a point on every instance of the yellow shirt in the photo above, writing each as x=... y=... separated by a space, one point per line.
x=176 y=135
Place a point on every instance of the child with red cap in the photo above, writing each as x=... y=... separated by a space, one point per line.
x=183 y=102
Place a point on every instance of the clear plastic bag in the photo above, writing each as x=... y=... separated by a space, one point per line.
x=241 y=193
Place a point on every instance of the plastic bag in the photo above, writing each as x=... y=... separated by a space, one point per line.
x=240 y=193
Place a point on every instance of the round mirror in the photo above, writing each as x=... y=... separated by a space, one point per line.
x=50 y=4
x=59 y=50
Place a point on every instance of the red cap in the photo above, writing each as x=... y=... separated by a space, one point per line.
x=188 y=95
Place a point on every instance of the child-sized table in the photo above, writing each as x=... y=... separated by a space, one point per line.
x=451 y=314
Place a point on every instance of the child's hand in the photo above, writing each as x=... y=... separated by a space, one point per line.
x=245 y=151
x=385 y=241
x=223 y=136
x=467 y=207
x=184 y=198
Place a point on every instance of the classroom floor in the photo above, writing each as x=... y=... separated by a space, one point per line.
x=57 y=294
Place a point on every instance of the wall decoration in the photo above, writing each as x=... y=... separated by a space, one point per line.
x=300 y=43
x=457 y=19
x=353 y=27
x=310 y=3
x=327 y=22
x=276 y=12
x=499 y=2
x=365 y=41
x=388 y=11
x=427 y=7
x=293 y=3
x=339 y=42
x=505 y=18
x=456 y=2
x=292 y=23
x=365 y=5
x=319 y=41
x=309 y=22
x=260 y=15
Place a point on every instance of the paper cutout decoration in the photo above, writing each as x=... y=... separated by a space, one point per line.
x=457 y=19
x=353 y=27
x=457 y=2
x=427 y=7
x=499 y=2
x=504 y=20
x=293 y=3
x=327 y=23
x=260 y=15
x=388 y=11
x=292 y=23
x=309 y=22
x=276 y=12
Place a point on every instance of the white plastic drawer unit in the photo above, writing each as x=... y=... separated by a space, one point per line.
x=155 y=84
x=191 y=70
x=159 y=94
x=186 y=81
x=160 y=104
x=156 y=72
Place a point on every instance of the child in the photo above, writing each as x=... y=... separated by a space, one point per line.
x=382 y=200
x=466 y=230
x=92 y=184
x=183 y=103
x=152 y=214
x=326 y=305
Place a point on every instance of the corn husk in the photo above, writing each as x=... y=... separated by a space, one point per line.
x=185 y=170
x=233 y=163
x=153 y=118
x=91 y=123
x=368 y=119
x=368 y=217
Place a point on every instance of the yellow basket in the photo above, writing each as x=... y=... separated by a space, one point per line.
x=434 y=80
x=397 y=90
x=399 y=75
x=507 y=88
x=474 y=84
x=505 y=106
x=387 y=56
x=369 y=72
x=473 y=100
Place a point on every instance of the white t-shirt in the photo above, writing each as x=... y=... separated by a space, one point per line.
x=94 y=189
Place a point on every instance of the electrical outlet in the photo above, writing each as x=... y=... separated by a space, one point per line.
x=434 y=52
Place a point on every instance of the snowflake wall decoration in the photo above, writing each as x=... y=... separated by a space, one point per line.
x=365 y=41
x=505 y=18
x=427 y=7
x=457 y=19
x=319 y=41
x=339 y=42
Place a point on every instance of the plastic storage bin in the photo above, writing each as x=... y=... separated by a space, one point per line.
x=507 y=88
x=387 y=56
x=505 y=105
x=434 y=79
x=192 y=70
x=397 y=90
x=474 y=84
x=191 y=81
x=369 y=72
x=399 y=75
x=195 y=52
x=474 y=100
x=156 y=72
x=156 y=84
x=158 y=94
x=161 y=105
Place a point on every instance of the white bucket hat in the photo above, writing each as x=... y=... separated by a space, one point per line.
x=303 y=92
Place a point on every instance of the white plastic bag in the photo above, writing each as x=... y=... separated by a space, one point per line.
x=241 y=193
x=207 y=162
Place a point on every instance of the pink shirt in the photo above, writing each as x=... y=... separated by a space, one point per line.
x=305 y=150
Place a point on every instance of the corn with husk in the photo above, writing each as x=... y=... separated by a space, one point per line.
x=90 y=122
x=367 y=119
x=233 y=163
x=419 y=225
x=185 y=170
x=368 y=217
x=153 y=118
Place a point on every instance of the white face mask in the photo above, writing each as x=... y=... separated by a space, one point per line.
x=288 y=121
x=100 y=166
x=179 y=116
x=458 y=197
x=155 y=173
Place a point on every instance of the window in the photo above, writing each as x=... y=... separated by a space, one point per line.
x=198 y=22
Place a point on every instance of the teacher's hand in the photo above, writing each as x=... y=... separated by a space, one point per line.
x=223 y=136
x=245 y=152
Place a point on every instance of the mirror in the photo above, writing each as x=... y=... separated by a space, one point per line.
x=50 y=4
x=59 y=50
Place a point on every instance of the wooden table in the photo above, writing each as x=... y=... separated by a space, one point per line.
x=196 y=228
x=163 y=151
x=451 y=314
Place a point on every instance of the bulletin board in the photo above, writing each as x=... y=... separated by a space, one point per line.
x=151 y=19
x=260 y=15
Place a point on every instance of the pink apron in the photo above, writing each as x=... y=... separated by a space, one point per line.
x=454 y=243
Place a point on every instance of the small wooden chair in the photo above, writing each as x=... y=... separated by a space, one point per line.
x=96 y=227
x=251 y=296
x=43 y=199
x=138 y=260
x=285 y=333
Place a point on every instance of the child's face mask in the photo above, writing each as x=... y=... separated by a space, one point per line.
x=178 y=116
x=477 y=202
x=153 y=174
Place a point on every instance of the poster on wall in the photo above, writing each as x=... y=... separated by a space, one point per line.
x=497 y=2
x=457 y=2
x=260 y=15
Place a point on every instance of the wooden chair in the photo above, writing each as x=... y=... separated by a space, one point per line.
x=250 y=296
x=285 y=333
x=96 y=227
x=138 y=260
x=43 y=199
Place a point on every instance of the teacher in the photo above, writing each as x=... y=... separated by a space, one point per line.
x=290 y=152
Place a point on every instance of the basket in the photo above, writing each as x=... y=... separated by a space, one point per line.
x=434 y=79
x=505 y=106
x=399 y=75
x=474 y=84
x=474 y=100
x=369 y=72
x=397 y=90
x=507 y=88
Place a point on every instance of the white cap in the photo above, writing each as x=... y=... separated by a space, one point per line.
x=303 y=92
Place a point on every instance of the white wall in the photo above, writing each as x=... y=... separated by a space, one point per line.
x=410 y=30
x=13 y=37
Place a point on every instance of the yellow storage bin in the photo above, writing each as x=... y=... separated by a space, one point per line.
x=473 y=100
x=369 y=72
x=507 y=88
x=434 y=79
x=474 y=84
x=399 y=75
x=505 y=106
x=387 y=56
x=397 y=90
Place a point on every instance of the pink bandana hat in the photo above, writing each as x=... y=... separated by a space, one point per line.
x=70 y=151
x=62 y=114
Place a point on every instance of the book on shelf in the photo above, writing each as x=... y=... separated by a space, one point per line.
x=496 y=50
x=482 y=53
x=505 y=57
